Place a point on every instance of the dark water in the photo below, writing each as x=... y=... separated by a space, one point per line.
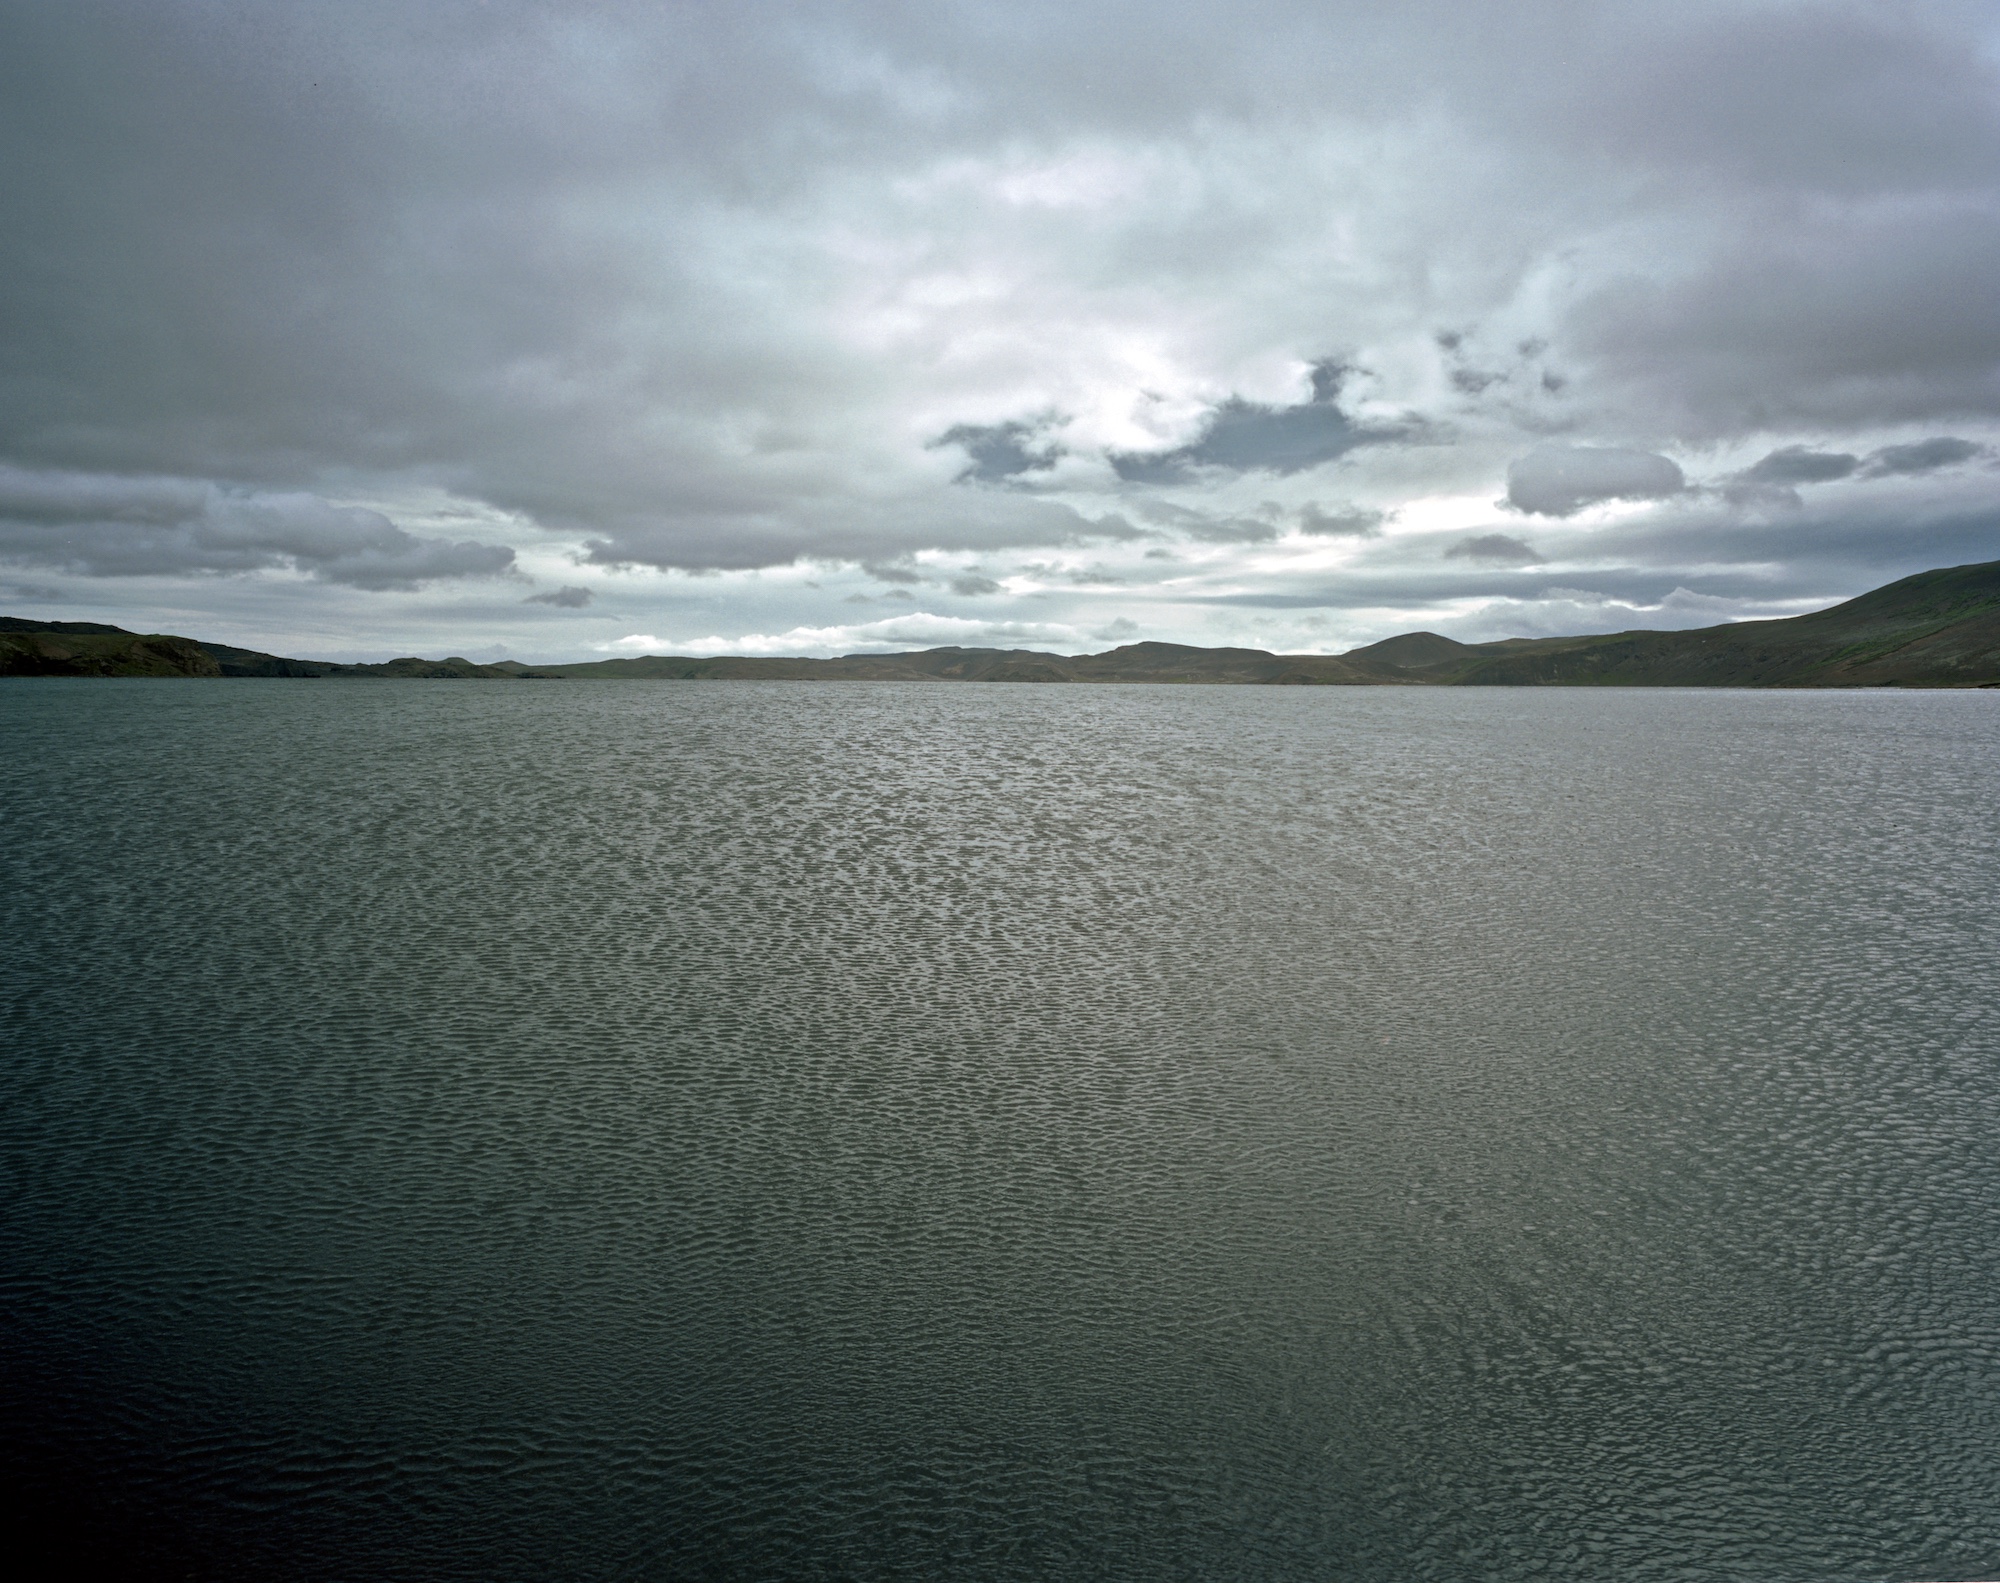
x=599 y=1130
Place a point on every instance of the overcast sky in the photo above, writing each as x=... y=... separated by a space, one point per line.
x=561 y=330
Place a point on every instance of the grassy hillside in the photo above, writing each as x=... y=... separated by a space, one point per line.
x=88 y=648
x=113 y=653
x=1936 y=629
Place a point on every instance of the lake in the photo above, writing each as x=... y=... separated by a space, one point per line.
x=853 y=1131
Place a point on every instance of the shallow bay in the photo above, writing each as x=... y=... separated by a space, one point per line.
x=849 y=1130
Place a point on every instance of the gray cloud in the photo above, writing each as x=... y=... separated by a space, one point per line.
x=1341 y=522
x=1846 y=538
x=571 y=598
x=973 y=586
x=1560 y=480
x=1798 y=464
x=1001 y=451
x=1836 y=99
x=850 y=527
x=1245 y=436
x=687 y=287
x=1497 y=549
x=1744 y=339
x=1924 y=456
x=1208 y=528
x=103 y=526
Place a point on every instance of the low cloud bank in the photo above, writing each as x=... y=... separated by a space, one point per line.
x=917 y=630
x=1495 y=549
x=109 y=526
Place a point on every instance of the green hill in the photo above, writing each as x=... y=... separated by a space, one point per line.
x=88 y=648
x=80 y=648
x=1936 y=629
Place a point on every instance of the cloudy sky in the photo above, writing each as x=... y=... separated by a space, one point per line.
x=564 y=329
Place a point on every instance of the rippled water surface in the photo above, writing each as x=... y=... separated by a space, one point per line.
x=771 y=1131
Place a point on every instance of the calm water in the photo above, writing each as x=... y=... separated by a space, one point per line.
x=772 y=1131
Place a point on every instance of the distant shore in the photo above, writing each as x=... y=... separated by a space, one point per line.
x=1936 y=629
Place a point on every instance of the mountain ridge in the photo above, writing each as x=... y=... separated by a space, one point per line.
x=1939 y=628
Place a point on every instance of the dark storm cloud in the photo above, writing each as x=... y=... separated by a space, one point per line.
x=127 y=527
x=1498 y=549
x=1560 y=480
x=571 y=598
x=1247 y=436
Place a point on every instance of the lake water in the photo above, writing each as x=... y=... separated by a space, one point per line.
x=852 y=1131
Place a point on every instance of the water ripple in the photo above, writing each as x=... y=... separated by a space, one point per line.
x=851 y=1131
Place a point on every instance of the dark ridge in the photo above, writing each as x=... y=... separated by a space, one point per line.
x=117 y=653
x=75 y=628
